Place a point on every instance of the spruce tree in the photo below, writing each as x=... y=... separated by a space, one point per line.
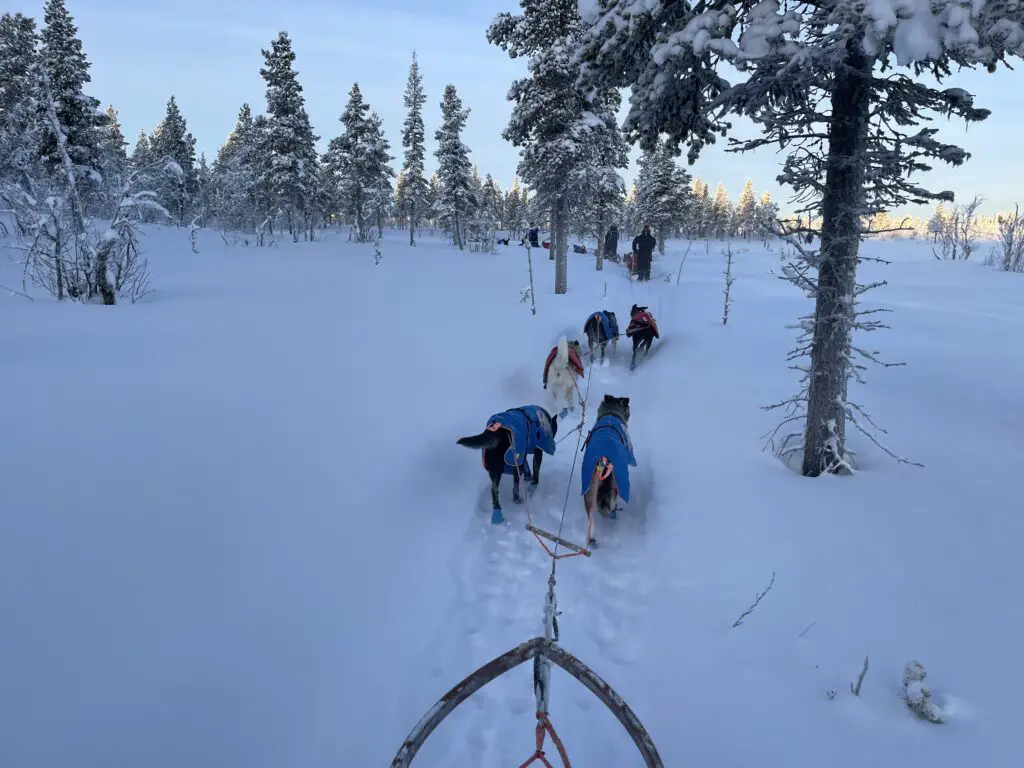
x=414 y=182
x=19 y=124
x=552 y=120
x=172 y=142
x=233 y=177
x=290 y=176
x=746 y=211
x=67 y=69
x=454 y=170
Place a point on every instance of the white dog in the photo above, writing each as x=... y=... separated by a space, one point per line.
x=561 y=370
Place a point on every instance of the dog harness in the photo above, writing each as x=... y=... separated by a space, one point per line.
x=574 y=361
x=641 y=320
x=530 y=428
x=608 y=324
x=608 y=440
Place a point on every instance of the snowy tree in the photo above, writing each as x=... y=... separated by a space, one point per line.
x=67 y=71
x=815 y=78
x=721 y=213
x=514 y=209
x=291 y=175
x=358 y=162
x=19 y=125
x=379 y=173
x=700 y=212
x=454 y=171
x=662 y=197
x=551 y=120
x=171 y=141
x=746 y=212
x=597 y=187
x=414 y=181
x=141 y=154
x=234 y=177
x=433 y=196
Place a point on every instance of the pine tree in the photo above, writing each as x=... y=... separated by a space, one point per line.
x=802 y=67
x=454 y=171
x=721 y=213
x=141 y=154
x=746 y=211
x=19 y=124
x=662 y=198
x=378 y=172
x=700 y=218
x=67 y=70
x=172 y=142
x=414 y=182
x=358 y=162
x=291 y=176
x=233 y=177
x=551 y=121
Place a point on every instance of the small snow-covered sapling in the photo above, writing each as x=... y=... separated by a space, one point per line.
x=917 y=695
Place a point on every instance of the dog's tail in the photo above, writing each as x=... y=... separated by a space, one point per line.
x=563 y=350
x=486 y=439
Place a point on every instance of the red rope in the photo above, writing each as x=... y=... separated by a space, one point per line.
x=545 y=729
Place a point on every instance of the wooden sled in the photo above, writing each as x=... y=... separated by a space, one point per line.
x=538 y=649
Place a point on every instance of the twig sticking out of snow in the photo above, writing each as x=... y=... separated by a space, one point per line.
x=377 y=257
x=729 y=280
x=806 y=629
x=16 y=293
x=757 y=601
x=855 y=687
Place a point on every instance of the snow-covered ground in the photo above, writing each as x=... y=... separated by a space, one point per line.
x=235 y=529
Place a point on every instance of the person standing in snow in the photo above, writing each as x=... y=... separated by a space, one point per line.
x=611 y=243
x=534 y=236
x=643 y=250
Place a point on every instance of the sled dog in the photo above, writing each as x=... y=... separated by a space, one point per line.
x=507 y=442
x=607 y=457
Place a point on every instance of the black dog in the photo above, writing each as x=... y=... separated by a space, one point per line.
x=509 y=438
x=643 y=329
x=600 y=328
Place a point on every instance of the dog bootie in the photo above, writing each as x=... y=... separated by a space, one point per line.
x=614 y=514
x=563 y=413
x=496 y=517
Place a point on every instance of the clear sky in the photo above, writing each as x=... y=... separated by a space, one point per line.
x=207 y=53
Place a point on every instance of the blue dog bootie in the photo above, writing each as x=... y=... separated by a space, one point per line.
x=614 y=514
x=496 y=517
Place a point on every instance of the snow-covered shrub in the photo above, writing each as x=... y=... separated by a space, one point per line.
x=917 y=695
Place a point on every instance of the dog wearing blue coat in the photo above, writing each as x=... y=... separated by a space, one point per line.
x=607 y=457
x=508 y=440
x=601 y=328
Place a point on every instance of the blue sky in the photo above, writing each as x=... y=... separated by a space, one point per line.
x=208 y=55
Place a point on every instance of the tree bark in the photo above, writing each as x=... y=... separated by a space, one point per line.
x=458 y=233
x=842 y=206
x=412 y=223
x=561 y=239
x=601 y=237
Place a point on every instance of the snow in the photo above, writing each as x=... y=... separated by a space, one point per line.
x=236 y=528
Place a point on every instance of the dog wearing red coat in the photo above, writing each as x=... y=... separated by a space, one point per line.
x=562 y=368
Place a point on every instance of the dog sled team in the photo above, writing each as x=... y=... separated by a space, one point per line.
x=511 y=437
x=638 y=262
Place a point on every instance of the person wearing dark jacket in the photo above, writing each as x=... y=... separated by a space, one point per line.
x=643 y=247
x=611 y=243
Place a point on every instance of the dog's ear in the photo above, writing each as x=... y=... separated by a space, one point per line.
x=609 y=399
x=625 y=401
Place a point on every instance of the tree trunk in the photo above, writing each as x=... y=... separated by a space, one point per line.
x=602 y=236
x=841 y=208
x=412 y=223
x=560 y=238
x=458 y=234
x=554 y=226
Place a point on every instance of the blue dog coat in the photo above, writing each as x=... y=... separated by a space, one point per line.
x=610 y=439
x=610 y=327
x=530 y=428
